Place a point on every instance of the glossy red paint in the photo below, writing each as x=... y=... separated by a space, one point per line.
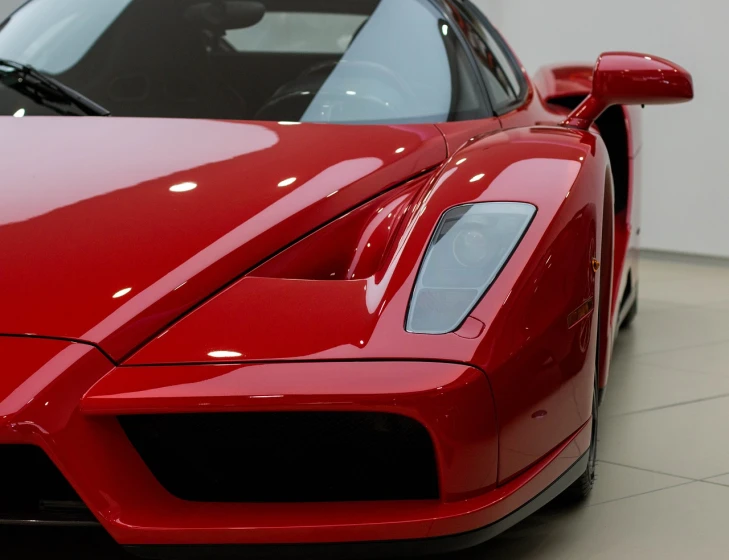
x=563 y=80
x=624 y=78
x=452 y=401
x=93 y=453
x=527 y=337
x=525 y=311
x=278 y=260
x=151 y=239
x=536 y=110
x=42 y=384
x=363 y=318
x=370 y=232
x=533 y=166
x=554 y=84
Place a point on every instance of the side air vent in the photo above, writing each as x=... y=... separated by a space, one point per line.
x=287 y=456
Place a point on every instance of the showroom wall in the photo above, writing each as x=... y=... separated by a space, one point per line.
x=686 y=166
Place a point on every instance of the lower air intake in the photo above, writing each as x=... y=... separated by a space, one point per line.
x=33 y=490
x=287 y=456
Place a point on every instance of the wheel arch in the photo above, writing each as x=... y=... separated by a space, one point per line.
x=605 y=303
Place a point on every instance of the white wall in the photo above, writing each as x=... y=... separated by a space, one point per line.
x=686 y=147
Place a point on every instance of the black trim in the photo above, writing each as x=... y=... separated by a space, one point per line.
x=627 y=295
x=489 y=112
x=363 y=550
x=297 y=362
x=38 y=521
x=247 y=457
x=62 y=339
x=33 y=491
x=474 y=10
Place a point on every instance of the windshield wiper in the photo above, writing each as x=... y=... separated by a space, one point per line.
x=47 y=91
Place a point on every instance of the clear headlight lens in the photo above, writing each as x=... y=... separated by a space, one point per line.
x=469 y=248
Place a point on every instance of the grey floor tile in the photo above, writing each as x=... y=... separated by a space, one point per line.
x=668 y=269
x=615 y=482
x=687 y=521
x=697 y=290
x=688 y=440
x=682 y=283
x=648 y=305
x=674 y=328
x=723 y=479
x=634 y=386
x=645 y=504
x=721 y=305
x=708 y=358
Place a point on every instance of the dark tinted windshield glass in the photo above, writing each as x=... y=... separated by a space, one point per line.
x=283 y=60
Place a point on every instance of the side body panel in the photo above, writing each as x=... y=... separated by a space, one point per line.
x=541 y=360
x=553 y=85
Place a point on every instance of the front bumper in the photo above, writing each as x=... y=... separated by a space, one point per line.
x=67 y=397
x=371 y=549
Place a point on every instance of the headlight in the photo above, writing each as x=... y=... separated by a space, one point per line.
x=470 y=246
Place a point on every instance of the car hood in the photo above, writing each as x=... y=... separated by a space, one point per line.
x=111 y=228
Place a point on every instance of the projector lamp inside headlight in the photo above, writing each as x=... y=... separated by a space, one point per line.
x=469 y=248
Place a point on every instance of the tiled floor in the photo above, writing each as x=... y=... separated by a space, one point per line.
x=663 y=478
x=663 y=482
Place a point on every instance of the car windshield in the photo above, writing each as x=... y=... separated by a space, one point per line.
x=340 y=61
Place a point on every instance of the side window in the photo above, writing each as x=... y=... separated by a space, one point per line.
x=494 y=63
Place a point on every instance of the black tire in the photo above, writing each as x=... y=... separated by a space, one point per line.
x=632 y=312
x=580 y=489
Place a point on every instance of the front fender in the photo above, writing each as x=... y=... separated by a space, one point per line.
x=540 y=315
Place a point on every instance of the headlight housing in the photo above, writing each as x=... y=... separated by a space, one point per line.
x=471 y=245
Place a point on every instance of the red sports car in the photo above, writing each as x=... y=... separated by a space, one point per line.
x=302 y=276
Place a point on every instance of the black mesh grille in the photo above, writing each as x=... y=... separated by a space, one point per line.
x=32 y=488
x=287 y=456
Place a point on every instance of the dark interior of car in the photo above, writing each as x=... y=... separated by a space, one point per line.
x=151 y=64
x=171 y=58
x=271 y=60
